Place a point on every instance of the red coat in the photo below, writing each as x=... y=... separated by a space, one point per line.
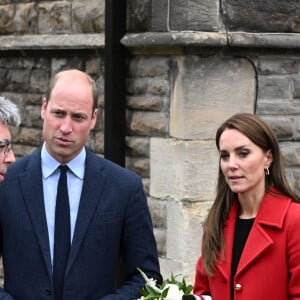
x=269 y=268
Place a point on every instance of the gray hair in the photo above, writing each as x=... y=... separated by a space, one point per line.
x=9 y=112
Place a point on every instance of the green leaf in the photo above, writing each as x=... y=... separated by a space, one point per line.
x=165 y=293
x=159 y=292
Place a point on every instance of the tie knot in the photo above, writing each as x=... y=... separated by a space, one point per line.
x=63 y=168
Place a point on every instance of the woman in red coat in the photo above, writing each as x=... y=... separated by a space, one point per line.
x=251 y=236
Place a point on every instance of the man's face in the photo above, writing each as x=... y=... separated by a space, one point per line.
x=7 y=156
x=68 y=117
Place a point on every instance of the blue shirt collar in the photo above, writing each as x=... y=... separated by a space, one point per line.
x=50 y=164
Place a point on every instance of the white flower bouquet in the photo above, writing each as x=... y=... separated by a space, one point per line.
x=170 y=289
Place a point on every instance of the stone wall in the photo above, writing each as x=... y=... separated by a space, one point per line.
x=214 y=16
x=56 y=17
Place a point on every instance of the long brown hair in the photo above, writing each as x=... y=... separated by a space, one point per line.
x=262 y=135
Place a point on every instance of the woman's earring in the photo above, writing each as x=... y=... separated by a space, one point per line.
x=267 y=172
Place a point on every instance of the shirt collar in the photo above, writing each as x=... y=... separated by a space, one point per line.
x=50 y=164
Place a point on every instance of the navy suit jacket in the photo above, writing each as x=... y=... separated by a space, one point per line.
x=113 y=229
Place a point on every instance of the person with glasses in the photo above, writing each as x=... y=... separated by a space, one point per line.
x=9 y=116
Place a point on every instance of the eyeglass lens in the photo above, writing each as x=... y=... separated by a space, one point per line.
x=5 y=146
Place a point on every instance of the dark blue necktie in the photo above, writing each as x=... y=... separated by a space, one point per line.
x=61 y=234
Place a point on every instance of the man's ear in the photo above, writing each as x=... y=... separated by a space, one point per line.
x=94 y=118
x=43 y=108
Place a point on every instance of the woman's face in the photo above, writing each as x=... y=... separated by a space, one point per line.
x=242 y=162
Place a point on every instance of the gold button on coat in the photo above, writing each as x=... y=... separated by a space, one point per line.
x=238 y=287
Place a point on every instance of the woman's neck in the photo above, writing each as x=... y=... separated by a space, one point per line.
x=249 y=204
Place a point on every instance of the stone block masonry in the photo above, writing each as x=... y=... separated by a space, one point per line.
x=56 y=17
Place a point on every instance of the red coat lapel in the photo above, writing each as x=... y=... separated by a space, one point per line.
x=271 y=214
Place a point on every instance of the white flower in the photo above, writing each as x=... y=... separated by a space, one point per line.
x=174 y=293
x=170 y=289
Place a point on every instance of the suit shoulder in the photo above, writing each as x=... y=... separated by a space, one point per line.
x=20 y=164
x=23 y=161
x=114 y=170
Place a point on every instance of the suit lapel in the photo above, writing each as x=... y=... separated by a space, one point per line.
x=32 y=188
x=91 y=191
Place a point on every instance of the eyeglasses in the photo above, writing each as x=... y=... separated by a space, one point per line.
x=5 y=146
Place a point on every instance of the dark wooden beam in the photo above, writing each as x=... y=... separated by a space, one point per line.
x=115 y=81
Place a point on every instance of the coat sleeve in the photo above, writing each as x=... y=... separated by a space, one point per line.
x=3 y=295
x=138 y=248
x=201 y=286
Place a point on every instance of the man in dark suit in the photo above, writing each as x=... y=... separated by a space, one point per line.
x=109 y=222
